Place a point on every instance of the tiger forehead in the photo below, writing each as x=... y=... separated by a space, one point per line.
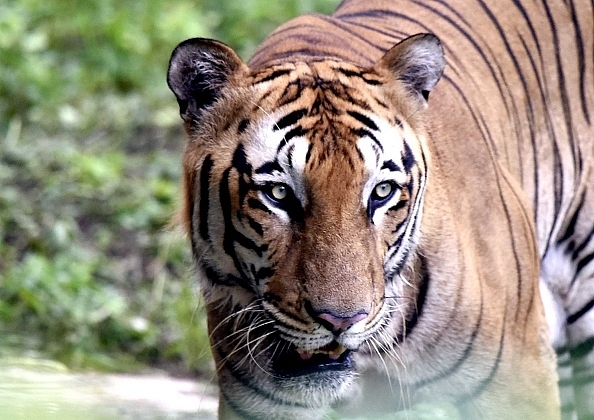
x=326 y=70
x=330 y=81
x=322 y=96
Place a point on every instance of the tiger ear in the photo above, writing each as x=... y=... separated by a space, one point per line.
x=416 y=61
x=198 y=70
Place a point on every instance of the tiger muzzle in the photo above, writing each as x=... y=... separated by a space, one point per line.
x=299 y=362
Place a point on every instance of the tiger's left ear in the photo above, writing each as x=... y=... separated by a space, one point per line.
x=416 y=61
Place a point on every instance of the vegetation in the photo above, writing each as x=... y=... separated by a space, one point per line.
x=91 y=272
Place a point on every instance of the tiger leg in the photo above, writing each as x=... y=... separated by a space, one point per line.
x=569 y=265
x=568 y=298
x=580 y=345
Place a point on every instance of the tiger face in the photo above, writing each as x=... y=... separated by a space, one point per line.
x=303 y=209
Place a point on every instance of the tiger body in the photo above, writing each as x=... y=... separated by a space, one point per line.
x=363 y=247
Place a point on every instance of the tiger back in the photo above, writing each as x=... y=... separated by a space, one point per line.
x=394 y=205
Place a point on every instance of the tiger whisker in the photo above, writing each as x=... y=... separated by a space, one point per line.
x=372 y=342
x=243 y=312
x=239 y=348
x=397 y=360
x=239 y=334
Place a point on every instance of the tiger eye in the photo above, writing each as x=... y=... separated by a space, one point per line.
x=382 y=190
x=279 y=192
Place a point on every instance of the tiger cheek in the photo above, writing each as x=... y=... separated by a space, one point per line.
x=285 y=288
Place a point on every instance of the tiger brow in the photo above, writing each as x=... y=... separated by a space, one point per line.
x=290 y=119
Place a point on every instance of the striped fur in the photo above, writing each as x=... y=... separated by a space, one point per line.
x=366 y=249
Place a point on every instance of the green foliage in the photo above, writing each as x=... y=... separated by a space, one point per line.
x=89 y=65
x=89 y=268
x=90 y=272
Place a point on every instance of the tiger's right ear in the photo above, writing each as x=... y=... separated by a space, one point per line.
x=198 y=70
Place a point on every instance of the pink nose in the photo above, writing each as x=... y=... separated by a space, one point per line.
x=339 y=324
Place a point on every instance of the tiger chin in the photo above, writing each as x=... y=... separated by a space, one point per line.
x=360 y=249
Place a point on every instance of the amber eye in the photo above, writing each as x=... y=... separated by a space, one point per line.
x=277 y=192
x=382 y=191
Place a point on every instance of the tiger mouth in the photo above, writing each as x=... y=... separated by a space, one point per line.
x=298 y=361
x=333 y=349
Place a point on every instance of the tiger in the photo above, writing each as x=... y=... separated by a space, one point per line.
x=393 y=206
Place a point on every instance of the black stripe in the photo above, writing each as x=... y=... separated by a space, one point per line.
x=396 y=229
x=458 y=15
x=570 y=229
x=395 y=34
x=551 y=134
x=275 y=74
x=294 y=132
x=269 y=168
x=193 y=242
x=579 y=248
x=417 y=312
x=263 y=273
x=500 y=82
x=290 y=119
x=363 y=132
x=256 y=227
x=583 y=262
x=247 y=243
x=290 y=155
x=240 y=161
x=577 y=315
x=392 y=166
x=347 y=27
x=291 y=93
x=215 y=277
x=557 y=179
x=519 y=73
x=308 y=154
x=503 y=200
x=257 y=204
x=205 y=173
x=242 y=126
x=561 y=78
x=528 y=22
x=363 y=120
x=372 y=82
x=408 y=159
x=399 y=205
x=348 y=72
x=229 y=233
x=581 y=61
x=350 y=99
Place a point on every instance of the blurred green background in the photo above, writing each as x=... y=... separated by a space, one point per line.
x=92 y=274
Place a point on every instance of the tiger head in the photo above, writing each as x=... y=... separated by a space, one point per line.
x=303 y=197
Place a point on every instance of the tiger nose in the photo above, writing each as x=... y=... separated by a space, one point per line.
x=339 y=324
